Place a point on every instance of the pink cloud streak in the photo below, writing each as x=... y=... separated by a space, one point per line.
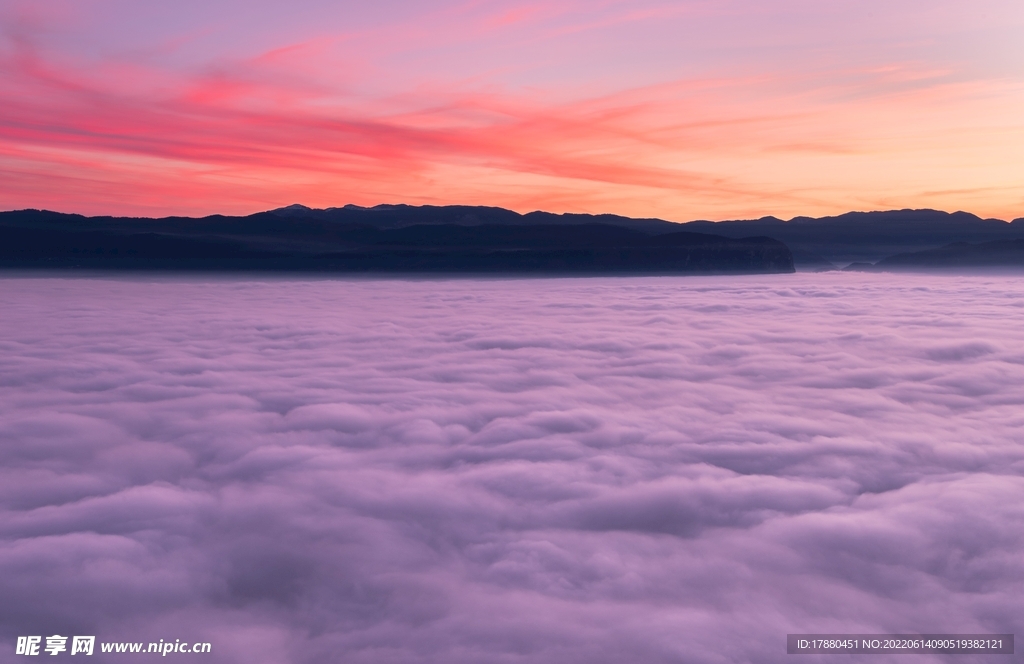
x=315 y=121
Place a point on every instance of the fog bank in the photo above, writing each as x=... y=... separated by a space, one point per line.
x=551 y=470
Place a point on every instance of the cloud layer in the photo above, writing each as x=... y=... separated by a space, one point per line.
x=570 y=470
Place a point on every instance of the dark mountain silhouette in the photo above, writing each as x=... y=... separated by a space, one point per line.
x=871 y=236
x=816 y=243
x=289 y=242
x=397 y=216
x=1000 y=254
x=298 y=237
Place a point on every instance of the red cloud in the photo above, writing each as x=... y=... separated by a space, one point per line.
x=318 y=121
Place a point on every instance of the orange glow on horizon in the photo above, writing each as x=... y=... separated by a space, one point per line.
x=300 y=123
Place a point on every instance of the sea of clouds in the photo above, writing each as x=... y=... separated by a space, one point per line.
x=600 y=470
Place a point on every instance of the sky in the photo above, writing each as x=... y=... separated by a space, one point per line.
x=680 y=110
x=663 y=469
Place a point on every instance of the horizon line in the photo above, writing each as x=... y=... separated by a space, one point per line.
x=352 y=206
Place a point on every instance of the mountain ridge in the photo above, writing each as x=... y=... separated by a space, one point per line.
x=268 y=242
x=815 y=242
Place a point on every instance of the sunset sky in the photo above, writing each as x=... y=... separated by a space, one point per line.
x=681 y=110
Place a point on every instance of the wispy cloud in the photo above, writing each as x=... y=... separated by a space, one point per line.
x=330 y=116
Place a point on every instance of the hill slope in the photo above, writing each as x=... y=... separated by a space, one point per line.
x=815 y=242
x=266 y=241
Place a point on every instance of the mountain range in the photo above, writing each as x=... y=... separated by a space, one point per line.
x=490 y=239
x=816 y=243
x=272 y=241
